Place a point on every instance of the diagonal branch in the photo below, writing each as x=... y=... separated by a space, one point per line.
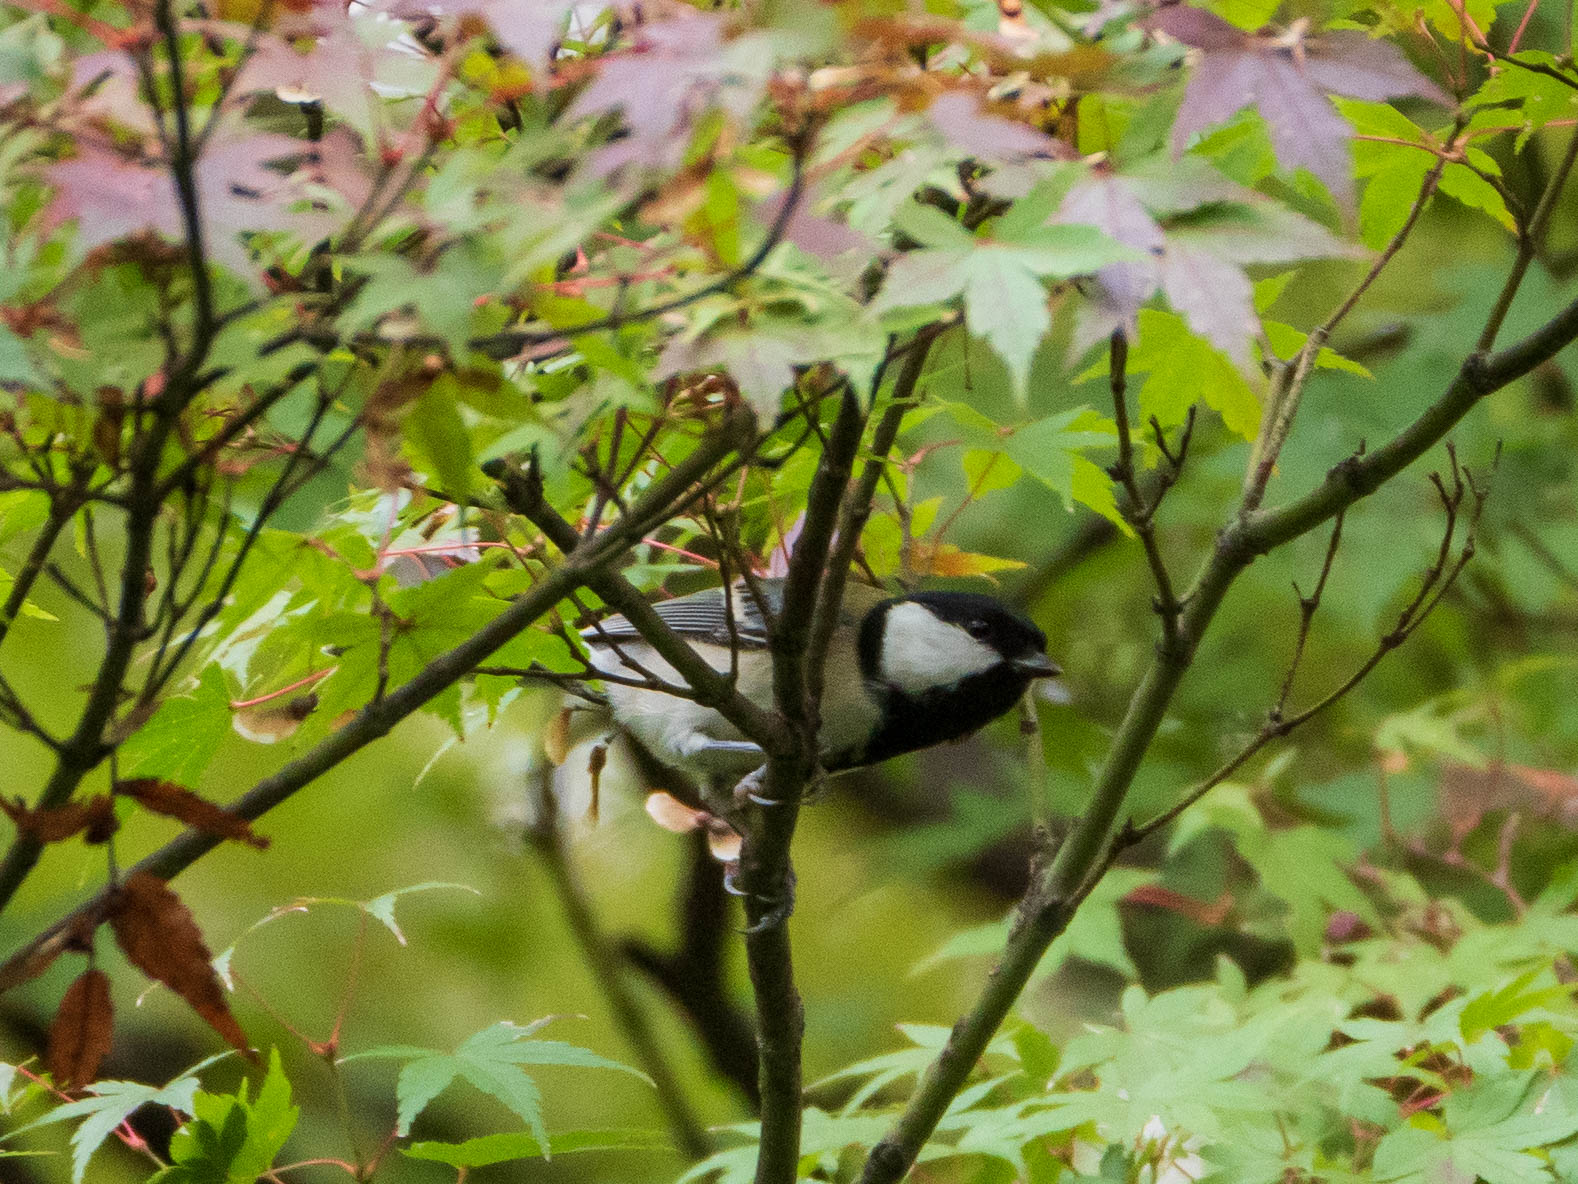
x=603 y=959
x=377 y=719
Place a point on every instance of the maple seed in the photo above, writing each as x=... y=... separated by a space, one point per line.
x=157 y=934
x=80 y=1037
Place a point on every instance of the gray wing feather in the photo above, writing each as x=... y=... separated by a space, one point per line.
x=702 y=616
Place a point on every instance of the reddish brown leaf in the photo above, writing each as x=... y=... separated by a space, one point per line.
x=79 y=1039
x=1200 y=911
x=159 y=937
x=96 y=816
x=171 y=800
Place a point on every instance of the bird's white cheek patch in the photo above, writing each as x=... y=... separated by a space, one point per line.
x=921 y=653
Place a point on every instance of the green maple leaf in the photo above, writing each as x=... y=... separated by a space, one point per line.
x=492 y=1060
x=108 y=1105
x=233 y=1139
x=1000 y=279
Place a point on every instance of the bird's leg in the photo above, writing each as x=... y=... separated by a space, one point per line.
x=699 y=747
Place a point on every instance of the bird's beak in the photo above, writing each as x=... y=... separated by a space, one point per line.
x=1037 y=666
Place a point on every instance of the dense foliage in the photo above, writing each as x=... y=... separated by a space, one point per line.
x=352 y=357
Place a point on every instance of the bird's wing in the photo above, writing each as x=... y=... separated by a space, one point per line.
x=701 y=616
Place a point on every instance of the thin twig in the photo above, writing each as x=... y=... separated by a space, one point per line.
x=1437 y=579
x=61 y=509
x=512 y=341
x=1308 y=605
x=183 y=166
x=1289 y=378
x=1138 y=513
x=1528 y=245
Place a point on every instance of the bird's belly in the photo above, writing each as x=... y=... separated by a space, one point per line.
x=669 y=725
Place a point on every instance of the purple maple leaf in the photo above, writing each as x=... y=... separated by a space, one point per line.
x=676 y=71
x=529 y=29
x=106 y=87
x=959 y=116
x=339 y=68
x=1287 y=78
x=112 y=194
x=1197 y=264
x=821 y=237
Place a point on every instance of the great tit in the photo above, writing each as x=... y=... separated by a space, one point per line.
x=902 y=673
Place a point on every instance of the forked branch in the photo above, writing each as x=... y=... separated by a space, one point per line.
x=1436 y=581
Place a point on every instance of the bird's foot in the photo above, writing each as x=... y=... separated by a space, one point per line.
x=751 y=785
x=773 y=909
x=749 y=788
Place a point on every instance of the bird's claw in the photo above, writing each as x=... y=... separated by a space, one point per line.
x=778 y=908
x=750 y=786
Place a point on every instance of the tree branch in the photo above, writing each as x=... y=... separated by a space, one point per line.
x=857 y=507
x=693 y=974
x=183 y=162
x=61 y=509
x=522 y=491
x=765 y=873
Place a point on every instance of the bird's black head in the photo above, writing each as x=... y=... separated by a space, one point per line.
x=947 y=663
x=1005 y=631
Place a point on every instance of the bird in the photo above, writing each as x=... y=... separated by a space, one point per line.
x=902 y=673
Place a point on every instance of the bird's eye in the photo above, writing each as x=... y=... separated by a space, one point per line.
x=978 y=629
